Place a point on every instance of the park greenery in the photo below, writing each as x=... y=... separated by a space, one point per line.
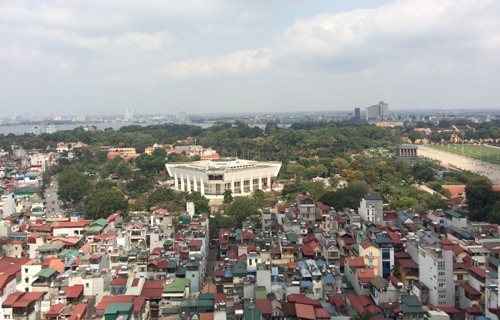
x=353 y=157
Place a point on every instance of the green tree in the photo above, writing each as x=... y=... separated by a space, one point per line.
x=159 y=197
x=422 y=172
x=241 y=209
x=123 y=170
x=100 y=203
x=480 y=199
x=258 y=198
x=355 y=176
x=72 y=185
x=228 y=196
x=494 y=214
x=219 y=222
x=339 y=164
x=200 y=202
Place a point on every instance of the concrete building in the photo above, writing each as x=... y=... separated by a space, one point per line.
x=36 y=130
x=8 y=205
x=211 y=178
x=380 y=110
x=50 y=128
x=371 y=209
x=357 y=113
x=129 y=115
x=407 y=153
x=438 y=265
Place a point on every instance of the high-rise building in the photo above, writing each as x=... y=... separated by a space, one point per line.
x=36 y=130
x=129 y=115
x=438 y=266
x=80 y=118
x=380 y=110
x=357 y=113
x=371 y=208
x=50 y=128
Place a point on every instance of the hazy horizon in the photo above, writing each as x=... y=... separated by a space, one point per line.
x=217 y=57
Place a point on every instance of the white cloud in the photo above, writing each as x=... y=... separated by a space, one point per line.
x=236 y=63
x=391 y=34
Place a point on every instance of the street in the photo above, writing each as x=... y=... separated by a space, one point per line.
x=53 y=205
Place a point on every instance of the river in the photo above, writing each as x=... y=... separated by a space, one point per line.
x=22 y=129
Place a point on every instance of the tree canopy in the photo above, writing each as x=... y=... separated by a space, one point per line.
x=102 y=202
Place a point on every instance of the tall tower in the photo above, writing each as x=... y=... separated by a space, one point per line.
x=129 y=115
x=357 y=113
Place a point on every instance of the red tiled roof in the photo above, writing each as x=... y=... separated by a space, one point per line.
x=27 y=298
x=390 y=215
x=219 y=273
x=457 y=249
x=322 y=313
x=322 y=206
x=73 y=292
x=402 y=255
x=107 y=300
x=156 y=251
x=138 y=305
x=475 y=311
x=195 y=243
x=135 y=282
x=305 y=311
x=480 y=272
x=306 y=250
x=408 y=263
x=337 y=300
x=366 y=244
x=264 y=305
x=219 y=297
x=355 y=261
x=247 y=235
x=153 y=289
x=9 y=301
x=72 y=224
x=118 y=281
x=302 y=299
x=469 y=289
x=446 y=241
x=55 y=310
x=356 y=304
x=162 y=264
x=78 y=311
x=394 y=280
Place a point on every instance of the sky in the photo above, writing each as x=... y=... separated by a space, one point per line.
x=262 y=56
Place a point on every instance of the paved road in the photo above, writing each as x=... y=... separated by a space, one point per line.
x=53 y=203
x=486 y=169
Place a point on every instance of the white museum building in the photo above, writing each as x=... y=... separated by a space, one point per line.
x=212 y=177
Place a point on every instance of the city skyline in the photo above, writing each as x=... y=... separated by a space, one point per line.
x=223 y=57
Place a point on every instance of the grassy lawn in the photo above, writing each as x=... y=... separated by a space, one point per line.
x=485 y=153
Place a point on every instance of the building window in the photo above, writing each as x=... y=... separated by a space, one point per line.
x=87 y=285
x=441 y=265
x=460 y=277
x=386 y=254
x=25 y=270
x=442 y=285
x=442 y=297
x=26 y=280
x=317 y=290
